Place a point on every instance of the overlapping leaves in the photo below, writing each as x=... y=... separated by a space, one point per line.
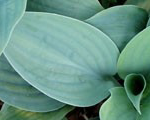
x=79 y=9
x=10 y=13
x=141 y=3
x=11 y=113
x=16 y=91
x=133 y=100
x=135 y=58
x=72 y=62
x=131 y=19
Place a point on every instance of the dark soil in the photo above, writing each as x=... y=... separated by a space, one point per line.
x=118 y=2
x=1 y=103
x=85 y=113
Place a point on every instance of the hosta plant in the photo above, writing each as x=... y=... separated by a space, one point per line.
x=57 y=55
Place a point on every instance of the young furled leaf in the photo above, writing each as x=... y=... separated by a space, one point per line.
x=135 y=85
x=118 y=106
x=133 y=62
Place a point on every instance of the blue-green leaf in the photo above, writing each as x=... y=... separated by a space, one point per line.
x=135 y=58
x=118 y=107
x=80 y=9
x=120 y=23
x=17 y=92
x=12 y=113
x=10 y=13
x=64 y=58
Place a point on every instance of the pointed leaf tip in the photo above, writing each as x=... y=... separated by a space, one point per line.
x=135 y=85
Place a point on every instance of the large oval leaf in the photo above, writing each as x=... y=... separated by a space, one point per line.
x=120 y=23
x=10 y=13
x=79 y=9
x=66 y=59
x=17 y=92
x=12 y=113
x=135 y=58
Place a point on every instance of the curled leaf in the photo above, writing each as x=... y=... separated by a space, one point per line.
x=135 y=85
x=118 y=106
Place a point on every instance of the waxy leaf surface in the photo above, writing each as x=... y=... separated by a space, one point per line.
x=12 y=113
x=135 y=57
x=120 y=23
x=15 y=91
x=65 y=58
x=10 y=13
x=79 y=9
x=119 y=107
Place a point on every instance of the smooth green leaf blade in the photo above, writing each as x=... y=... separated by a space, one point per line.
x=12 y=113
x=118 y=107
x=17 y=92
x=135 y=85
x=79 y=9
x=145 y=4
x=135 y=58
x=145 y=104
x=120 y=23
x=10 y=13
x=64 y=58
